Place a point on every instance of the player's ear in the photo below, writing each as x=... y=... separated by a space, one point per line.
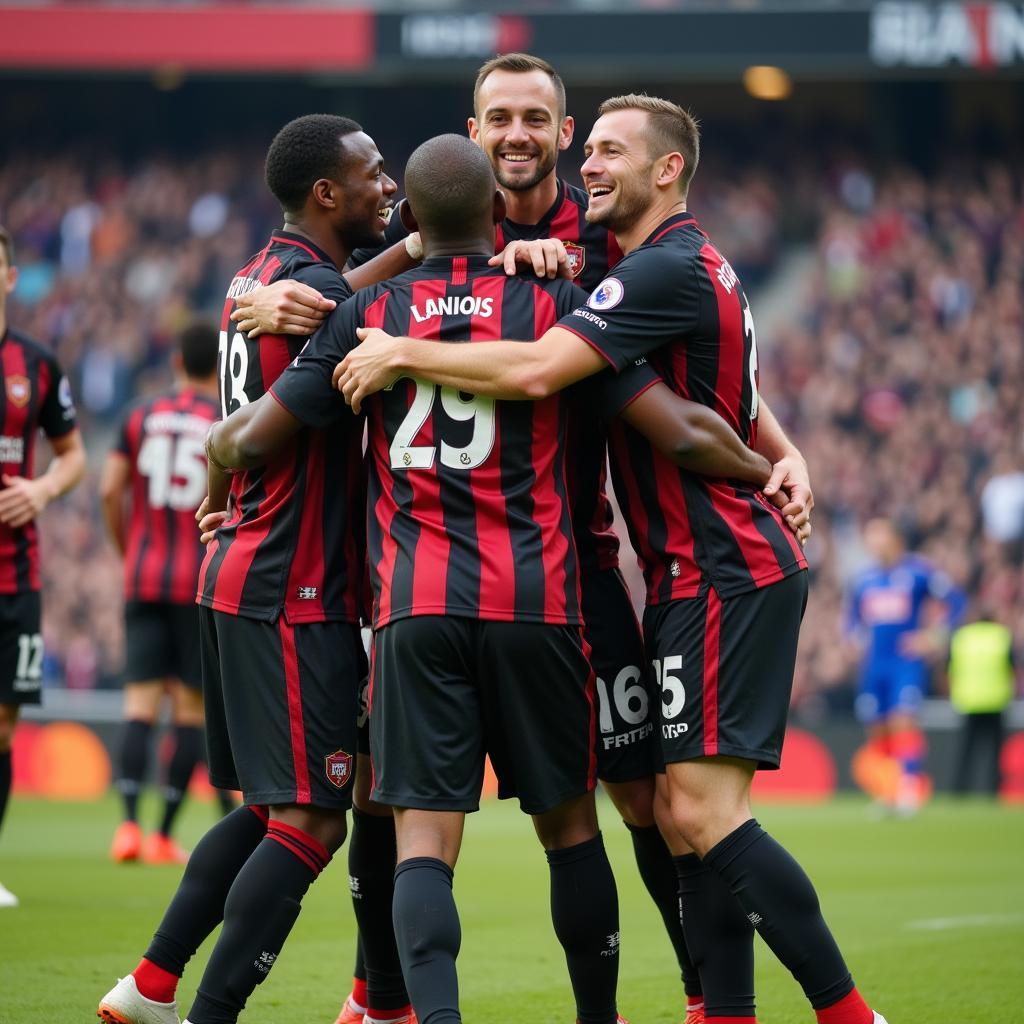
x=323 y=193
x=500 y=206
x=473 y=130
x=565 y=133
x=12 y=279
x=672 y=165
x=408 y=217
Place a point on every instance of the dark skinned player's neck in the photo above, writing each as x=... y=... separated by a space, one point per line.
x=324 y=238
x=529 y=206
x=466 y=247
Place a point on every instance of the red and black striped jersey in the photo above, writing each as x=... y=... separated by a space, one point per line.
x=676 y=300
x=469 y=514
x=294 y=539
x=592 y=251
x=34 y=395
x=162 y=438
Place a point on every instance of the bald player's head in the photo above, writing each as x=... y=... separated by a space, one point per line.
x=450 y=187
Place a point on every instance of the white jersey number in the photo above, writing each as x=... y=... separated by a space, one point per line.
x=175 y=471
x=232 y=368
x=406 y=455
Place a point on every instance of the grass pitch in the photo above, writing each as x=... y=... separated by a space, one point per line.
x=930 y=915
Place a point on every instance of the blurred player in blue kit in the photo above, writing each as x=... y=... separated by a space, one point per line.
x=892 y=618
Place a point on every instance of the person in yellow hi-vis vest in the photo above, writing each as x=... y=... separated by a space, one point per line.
x=981 y=685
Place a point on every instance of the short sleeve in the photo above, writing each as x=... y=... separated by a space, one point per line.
x=306 y=387
x=650 y=299
x=619 y=390
x=57 y=410
x=326 y=279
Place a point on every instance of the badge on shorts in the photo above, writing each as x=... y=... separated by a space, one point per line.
x=577 y=257
x=339 y=768
x=19 y=390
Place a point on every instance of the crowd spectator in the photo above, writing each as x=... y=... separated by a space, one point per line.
x=898 y=370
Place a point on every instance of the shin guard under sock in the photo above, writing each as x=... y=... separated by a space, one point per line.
x=429 y=936
x=188 y=752
x=261 y=908
x=198 y=905
x=654 y=862
x=720 y=939
x=585 y=913
x=372 y=856
x=779 y=900
x=132 y=764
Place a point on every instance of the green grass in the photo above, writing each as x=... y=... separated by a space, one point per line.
x=930 y=915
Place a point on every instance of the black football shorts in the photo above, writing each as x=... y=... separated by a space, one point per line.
x=627 y=747
x=162 y=642
x=21 y=648
x=725 y=670
x=281 y=708
x=447 y=690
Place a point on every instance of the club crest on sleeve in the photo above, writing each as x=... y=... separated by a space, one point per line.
x=339 y=768
x=607 y=294
x=19 y=390
x=577 y=257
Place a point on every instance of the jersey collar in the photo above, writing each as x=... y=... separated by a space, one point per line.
x=303 y=242
x=545 y=221
x=677 y=220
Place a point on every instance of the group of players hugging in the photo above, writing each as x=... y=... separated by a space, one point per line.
x=492 y=392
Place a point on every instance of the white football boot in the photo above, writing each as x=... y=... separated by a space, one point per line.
x=7 y=898
x=879 y=1019
x=125 y=1004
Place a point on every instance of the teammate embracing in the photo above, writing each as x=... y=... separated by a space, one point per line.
x=726 y=581
x=281 y=589
x=520 y=122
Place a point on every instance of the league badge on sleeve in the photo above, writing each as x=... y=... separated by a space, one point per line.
x=607 y=295
x=339 y=768
x=577 y=258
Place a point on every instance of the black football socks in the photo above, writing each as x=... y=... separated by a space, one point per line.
x=188 y=752
x=371 y=868
x=779 y=900
x=585 y=913
x=134 y=755
x=198 y=905
x=654 y=861
x=429 y=935
x=262 y=905
x=720 y=940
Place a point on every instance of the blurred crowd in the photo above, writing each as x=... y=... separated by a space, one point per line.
x=898 y=368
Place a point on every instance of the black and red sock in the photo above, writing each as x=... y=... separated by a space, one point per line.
x=132 y=764
x=372 y=857
x=198 y=905
x=720 y=939
x=261 y=907
x=779 y=900
x=188 y=752
x=655 y=864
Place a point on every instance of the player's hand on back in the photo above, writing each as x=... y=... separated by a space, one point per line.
x=21 y=500
x=789 y=490
x=546 y=256
x=284 y=307
x=208 y=521
x=368 y=368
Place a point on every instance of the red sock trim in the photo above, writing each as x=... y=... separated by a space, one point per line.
x=694 y=1002
x=302 y=844
x=851 y=1009
x=261 y=812
x=359 y=991
x=392 y=1014
x=154 y=982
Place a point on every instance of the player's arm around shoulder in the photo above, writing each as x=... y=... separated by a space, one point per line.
x=297 y=306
